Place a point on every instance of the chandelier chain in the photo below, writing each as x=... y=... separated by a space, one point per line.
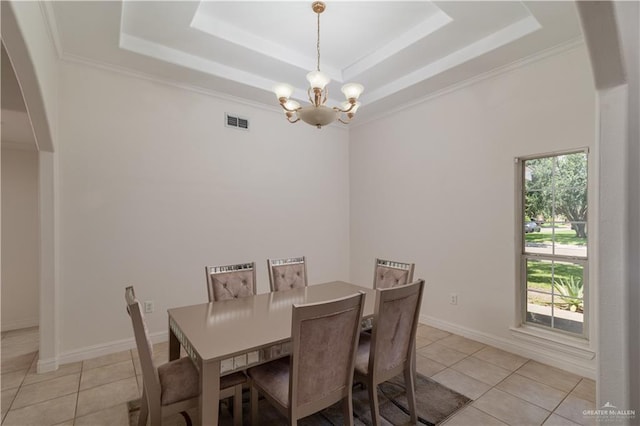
x=318 y=43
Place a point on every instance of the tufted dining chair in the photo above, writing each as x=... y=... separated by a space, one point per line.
x=231 y=281
x=173 y=387
x=389 y=273
x=285 y=274
x=390 y=348
x=313 y=377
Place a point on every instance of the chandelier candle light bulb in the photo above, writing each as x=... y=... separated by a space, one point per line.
x=283 y=91
x=318 y=114
x=318 y=80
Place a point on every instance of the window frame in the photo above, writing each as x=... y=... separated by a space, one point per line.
x=522 y=257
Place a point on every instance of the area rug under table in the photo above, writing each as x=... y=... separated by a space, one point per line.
x=435 y=404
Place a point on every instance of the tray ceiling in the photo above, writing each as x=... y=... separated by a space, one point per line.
x=400 y=51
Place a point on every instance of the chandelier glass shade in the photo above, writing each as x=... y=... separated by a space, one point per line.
x=317 y=113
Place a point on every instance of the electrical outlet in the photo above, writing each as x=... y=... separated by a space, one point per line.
x=148 y=307
x=453 y=299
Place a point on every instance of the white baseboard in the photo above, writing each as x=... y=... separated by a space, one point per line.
x=107 y=348
x=21 y=323
x=47 y=365
x=559 y=359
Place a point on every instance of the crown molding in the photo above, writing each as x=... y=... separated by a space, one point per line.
x=430 y=25
x=477 y=49
x=46 y=8
x=547 y=53
x=504 y=69
x=66 y=57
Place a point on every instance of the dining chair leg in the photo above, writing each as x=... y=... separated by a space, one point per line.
x=254 y=406
x=187 y=418
x=413 y=361
x=144 y=410
x=373 y=403
x=410 y=385
x=237 y=406
x=155 y=413
x=347 y=406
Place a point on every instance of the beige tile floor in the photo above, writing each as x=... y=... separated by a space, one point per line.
x=507 y=389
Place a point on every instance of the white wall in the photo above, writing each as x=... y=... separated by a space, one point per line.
x=435 y=184
x=20 y=242
x=153 y=187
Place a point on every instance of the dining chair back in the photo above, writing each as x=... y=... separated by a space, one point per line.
x=231 y=281
x=389 y=273
x=285 y=274
x=390 y=348
x=172 y=387
x=319 y=372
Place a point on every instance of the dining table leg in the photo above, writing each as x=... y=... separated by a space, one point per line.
x=209 y=393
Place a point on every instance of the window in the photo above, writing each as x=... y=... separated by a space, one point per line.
x=553 y=254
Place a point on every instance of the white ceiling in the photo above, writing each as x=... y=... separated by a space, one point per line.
x=400 y=51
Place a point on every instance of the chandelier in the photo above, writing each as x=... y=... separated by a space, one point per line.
x=318 y=114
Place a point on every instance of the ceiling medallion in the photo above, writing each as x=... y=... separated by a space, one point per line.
x=318 y=114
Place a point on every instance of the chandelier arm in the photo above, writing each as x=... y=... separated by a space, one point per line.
x=345 y=110
x=309 y=95
x=344 y=122
x=294 y=121
x=289 y=110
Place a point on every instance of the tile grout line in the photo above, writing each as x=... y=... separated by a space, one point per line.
x=515 y=396
x=546 y=384
x=483 y=393
x=496 y=385
x=564 y=399
x=131 y=358
x=19 y=387
x=551 y=412
x=75 y=409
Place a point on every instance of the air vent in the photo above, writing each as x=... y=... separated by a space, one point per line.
x=236 y=122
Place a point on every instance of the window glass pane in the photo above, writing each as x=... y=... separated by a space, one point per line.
x=570 y=203
x=538 y=222
x=538 y=174
x=568 y=286
x=539 y=311
x=555 y=238
x=571 y=239
x=539 y=276
x=555 y=294
x=571 y=170
x=555 y=232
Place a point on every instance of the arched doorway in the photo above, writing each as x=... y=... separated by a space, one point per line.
x=21 y=60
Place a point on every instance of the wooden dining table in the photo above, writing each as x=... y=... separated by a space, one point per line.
x=232 y=335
